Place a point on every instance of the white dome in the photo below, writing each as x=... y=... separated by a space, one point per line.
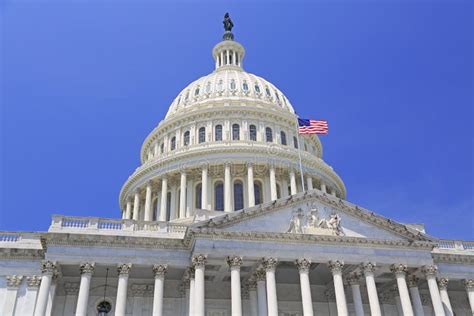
x=229 y=81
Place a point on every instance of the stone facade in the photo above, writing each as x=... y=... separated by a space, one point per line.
x=221 y=219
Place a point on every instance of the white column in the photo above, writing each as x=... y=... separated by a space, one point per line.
x=182 y=196
x=83 y=298
x=228 y=59
x=336 y=270
x=253 y=297
x=71 y=289
x=353 y=280
x=469 y=285
x=303 y=268
x=48 y=268
x=164 y=195
x=260 y=276
x=148 y=212
x=400 y=271
x=204 y=182
x=173 y=207
x=160 y=271
x=13 y=283
x=227 y=189
x=415 y=295
x=323 y=187
x=269 y=264
x=233 y=58
x=309 y=183
x=293 y=183
x=369 y=269
x=199 y=263
x=136 y=206
x=250 y=185
x=273 y=185
x=51 y=295
x=430 y=273
x=121 y=301
x=443 y=292
x=32 y=285
x=234 y=263
x=128 y=211
x=190 y=276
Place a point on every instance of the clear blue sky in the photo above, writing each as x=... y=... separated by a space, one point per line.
x=84 y=82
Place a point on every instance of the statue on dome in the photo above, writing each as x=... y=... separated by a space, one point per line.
x=228 y=25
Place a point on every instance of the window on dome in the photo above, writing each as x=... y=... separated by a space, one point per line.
x=208 y=87
x=235 y=132
x=245 y=86
x=202 y=135
x=283 y=138
x=269 y=134
x=219 y=196
x=187 y=96
x=253 y=133
x=179 y=100
x=267 y=91
x=218 y=133
x=295 y=142
x=220 y=86
x=162 y=148
x=186 y=138
x=237 y=59
x=232 y=84
x=276 y=95
x=199 y=196
x=173 y=143
x=257 y=190
x=257 y=88
x=238 y=195
x=196 y=92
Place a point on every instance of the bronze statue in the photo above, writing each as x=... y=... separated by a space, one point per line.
x=228 y=25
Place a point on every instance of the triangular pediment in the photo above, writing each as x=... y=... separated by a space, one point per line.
x=313 y=213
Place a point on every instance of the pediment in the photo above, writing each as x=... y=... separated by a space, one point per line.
x=313 y=213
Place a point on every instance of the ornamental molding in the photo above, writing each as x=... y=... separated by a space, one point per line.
x=260 y=275
x=49 y=267
x=353 y=278
x=87 y=267
x=160 y=270
x=199 y=261
x=269 y=264
x=234 y=262
x=14 y=281
x=22 y=254
x=443 y=283
x=336 y=266
x=33 y=281
x=303 y=264
x=399 y=269
x=412 y=280
x=453 y=258
x=416 y=240
x=124 y=268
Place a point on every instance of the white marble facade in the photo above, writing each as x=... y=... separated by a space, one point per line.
x=219 y=219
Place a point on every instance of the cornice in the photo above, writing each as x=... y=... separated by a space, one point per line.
x=21 y=254
x=452 y=258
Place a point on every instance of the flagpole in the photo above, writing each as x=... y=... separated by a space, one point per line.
x=299 y=152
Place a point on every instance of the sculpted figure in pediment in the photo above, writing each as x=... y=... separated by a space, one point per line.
x=295 y=222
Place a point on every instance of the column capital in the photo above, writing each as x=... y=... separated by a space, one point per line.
x=71 y=288
x=189 y=273
x=249 y=164
x=234 y=262
x=336 y=266
x=353 y=278
x=160 y=270
x=199 y=261
x=468 y=284
x=33 y=281
x=87 y=267
x=269 y=263
x=14 y=281
x=124 y=268
x=368 y=267
x=412 y=280
x=443 y=283
x=303 y=264
x=399 y=269
x=430 y=271
x=260 y=275
x=48 y=267
x=252 y=284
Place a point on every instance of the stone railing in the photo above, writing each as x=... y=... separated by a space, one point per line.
x=123 y=227
x=459 y=245
x=20 y=240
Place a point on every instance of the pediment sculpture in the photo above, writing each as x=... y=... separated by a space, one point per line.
x=312 y=224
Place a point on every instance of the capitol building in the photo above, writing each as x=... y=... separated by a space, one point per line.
x=232 y=212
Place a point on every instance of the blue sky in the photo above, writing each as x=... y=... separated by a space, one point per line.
x=84 y=82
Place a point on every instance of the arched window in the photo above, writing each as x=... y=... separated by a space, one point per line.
x=253 y=132
x=257 y=88
x=202 y=135
x=295 y=142
x=238 y=195
x=245 y=86
x=186 y=138
x=283 y=138
x=232 y=85
x=199 y=196
x=162 y=148
x=235 y=132
x=168 y=206
x=218 y=133
x=269 y=134
x=208 y=87
x=173 y=143
x=196 y=92
x=219 y=196
x=257 y=190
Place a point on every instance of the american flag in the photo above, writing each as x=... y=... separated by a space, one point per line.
x=306 y=126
